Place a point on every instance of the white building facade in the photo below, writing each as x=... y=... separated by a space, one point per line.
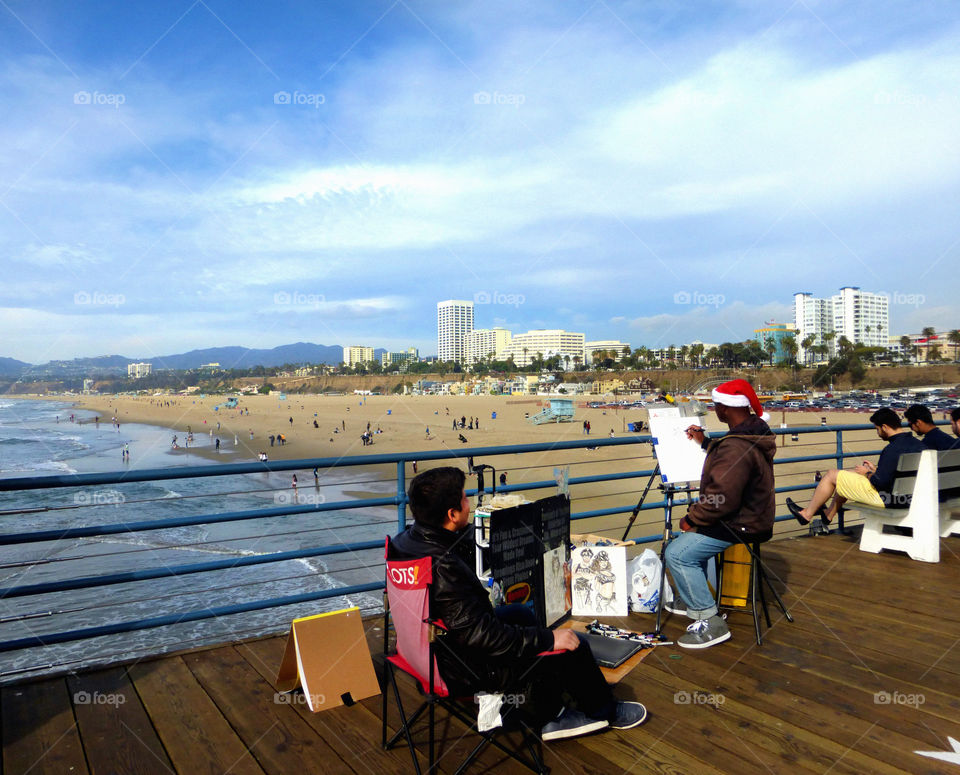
x=486 y=342
x=454 y=324
x=356 y=355
x=546 y=342
x=137 y=370
x=861 y=317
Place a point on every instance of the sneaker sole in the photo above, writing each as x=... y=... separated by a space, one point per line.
x=706 y=644
x=584 y=729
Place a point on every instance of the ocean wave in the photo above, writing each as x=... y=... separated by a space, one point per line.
x=56 y=466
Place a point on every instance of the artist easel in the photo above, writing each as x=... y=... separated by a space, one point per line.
x=679 y=462
x=669 y=491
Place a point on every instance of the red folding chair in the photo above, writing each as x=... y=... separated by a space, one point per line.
x=407 y=605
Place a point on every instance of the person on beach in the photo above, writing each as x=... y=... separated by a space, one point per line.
x=955 y=422
x=736 y=503
x=921 y=422
x=502 y=649
x=866 y=483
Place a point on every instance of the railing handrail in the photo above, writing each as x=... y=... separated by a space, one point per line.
x=399 y=500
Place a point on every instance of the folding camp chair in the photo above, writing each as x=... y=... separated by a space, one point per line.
x=407 y=604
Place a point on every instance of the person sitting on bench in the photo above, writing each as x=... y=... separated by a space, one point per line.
x=921 y=423
x=867 y=483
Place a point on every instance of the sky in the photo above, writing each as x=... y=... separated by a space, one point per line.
x=192 y=174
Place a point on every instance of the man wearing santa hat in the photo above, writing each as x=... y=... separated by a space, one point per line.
x=736 y=503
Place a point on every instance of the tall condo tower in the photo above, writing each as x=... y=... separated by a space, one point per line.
x=454 y=324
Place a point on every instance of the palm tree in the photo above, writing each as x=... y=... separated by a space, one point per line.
x=905 y=346
x=806 y=344
x=928 y=333
x=954 y=339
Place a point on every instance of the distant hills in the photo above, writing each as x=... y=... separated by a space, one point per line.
x=11 y=367
x=227 y=357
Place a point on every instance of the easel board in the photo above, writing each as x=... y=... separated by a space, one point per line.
x=680 y=459
x=327 y=655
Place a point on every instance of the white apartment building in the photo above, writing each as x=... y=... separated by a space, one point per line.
x=454 y=323
x=389 y=359
x=604 y=345
x=484 y=342
x=547 y=342
x=861 y=317
x=356 y=355
x=137 y=370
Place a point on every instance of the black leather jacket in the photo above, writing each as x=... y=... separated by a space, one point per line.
x=478 y=649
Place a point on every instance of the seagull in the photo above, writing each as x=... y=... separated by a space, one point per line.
x=945 y=756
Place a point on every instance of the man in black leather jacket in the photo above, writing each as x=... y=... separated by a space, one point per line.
x=502 y=651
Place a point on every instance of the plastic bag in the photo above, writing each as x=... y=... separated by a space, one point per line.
x=644 y=571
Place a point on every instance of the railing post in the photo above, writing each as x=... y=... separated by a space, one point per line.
x=401 y=495
x=840 y=526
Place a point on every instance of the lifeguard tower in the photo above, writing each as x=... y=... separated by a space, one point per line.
x=561 y=410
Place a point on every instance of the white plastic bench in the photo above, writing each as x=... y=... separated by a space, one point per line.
x=922 y=475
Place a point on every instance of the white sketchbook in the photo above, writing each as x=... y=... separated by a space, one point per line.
x=680 y=458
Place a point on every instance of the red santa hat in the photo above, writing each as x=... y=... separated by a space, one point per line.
x=739 y=392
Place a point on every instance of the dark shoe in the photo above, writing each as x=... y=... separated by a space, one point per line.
x=628 y=715
x=797 y=512
x=704 y=633
x=676 y=606
x=571 y=723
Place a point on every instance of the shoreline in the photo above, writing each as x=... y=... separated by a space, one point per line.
x=403 y=421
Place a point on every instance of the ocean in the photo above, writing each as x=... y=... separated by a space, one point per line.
x=40 y=438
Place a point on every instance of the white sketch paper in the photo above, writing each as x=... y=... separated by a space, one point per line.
x=555 y=587
x=599 y=581
x=680 y=458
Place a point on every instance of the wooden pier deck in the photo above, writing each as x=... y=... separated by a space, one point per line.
x=868 y=674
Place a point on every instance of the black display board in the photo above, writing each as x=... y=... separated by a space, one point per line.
x=527 y=544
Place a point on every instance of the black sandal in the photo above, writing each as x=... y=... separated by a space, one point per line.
x=797 y=513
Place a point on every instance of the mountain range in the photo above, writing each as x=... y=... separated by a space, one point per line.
x=227 y=357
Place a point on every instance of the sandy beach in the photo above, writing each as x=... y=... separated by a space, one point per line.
x=403 y=422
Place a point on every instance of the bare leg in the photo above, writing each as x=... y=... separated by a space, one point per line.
x=838 y=501
x=826 y=488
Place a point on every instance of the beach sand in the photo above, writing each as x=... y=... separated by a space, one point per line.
x=404 y=420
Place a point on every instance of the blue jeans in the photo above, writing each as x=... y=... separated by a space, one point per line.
x=686 y=558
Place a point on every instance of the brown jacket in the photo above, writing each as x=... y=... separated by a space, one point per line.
x=736 y=487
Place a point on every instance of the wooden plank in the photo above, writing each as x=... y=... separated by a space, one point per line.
x=354 y=733
x=116 y=731
x=810 y=705
x=279 y=738
x=196 y=736
x=39 y=732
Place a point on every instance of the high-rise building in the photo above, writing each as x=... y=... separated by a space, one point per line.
x=356 y=355
x=454 y=324
x=861 y=317
x=486 y=342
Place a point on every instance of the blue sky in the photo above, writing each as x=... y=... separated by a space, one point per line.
x=182 y=175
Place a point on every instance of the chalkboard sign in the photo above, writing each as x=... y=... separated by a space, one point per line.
x=529 y=555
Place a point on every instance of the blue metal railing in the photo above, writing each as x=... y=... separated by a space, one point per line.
x=399 y=500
